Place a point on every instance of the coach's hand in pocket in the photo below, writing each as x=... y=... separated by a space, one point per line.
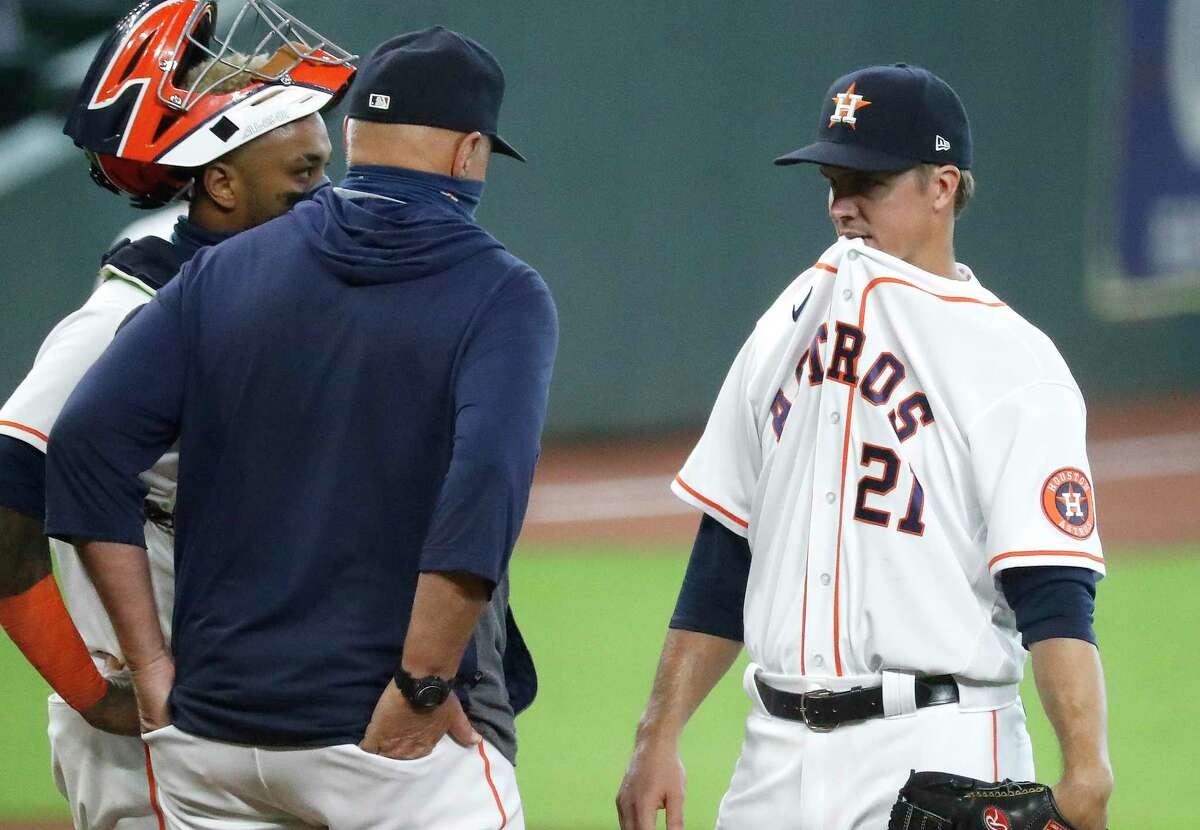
x=399 y=731
x=152 y=682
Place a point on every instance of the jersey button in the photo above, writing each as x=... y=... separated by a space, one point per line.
x=819 y=660
x=852 y=255
x=825 y=579
x=830 y=496
x=847 y=294
x=835 y=417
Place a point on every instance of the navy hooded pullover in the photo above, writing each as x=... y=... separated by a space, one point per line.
x=359 y=389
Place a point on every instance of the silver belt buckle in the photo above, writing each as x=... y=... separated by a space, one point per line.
x=804 y=709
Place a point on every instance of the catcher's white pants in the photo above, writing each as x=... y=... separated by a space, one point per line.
x=790 y=777
x=103 y=777
x=210 y=785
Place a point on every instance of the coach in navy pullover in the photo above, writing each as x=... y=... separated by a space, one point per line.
x=359 y=389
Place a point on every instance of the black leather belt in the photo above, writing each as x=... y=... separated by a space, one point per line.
x=160 y=517
x=823 y=710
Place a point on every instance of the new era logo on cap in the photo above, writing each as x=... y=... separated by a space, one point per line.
x=940 y=144
x=379 y=102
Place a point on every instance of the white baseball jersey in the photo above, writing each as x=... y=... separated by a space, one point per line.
x=67 y=353
x=888 y=441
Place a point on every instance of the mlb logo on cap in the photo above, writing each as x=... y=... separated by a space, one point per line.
x=379 y=102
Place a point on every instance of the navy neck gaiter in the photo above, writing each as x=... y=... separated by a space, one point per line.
x=416 y=187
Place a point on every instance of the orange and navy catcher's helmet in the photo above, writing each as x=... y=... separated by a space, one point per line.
x=146 y=128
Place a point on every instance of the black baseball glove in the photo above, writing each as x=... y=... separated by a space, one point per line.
x=941 y=801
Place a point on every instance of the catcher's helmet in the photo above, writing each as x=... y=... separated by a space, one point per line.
x=147 y=117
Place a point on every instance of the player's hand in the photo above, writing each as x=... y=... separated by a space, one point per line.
x=399 y=731
x=654 y=781
x=117 y=711
x=1082 y=798
x=152 y=682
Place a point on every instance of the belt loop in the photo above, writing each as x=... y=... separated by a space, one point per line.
x=749 y=676
x=899 y=694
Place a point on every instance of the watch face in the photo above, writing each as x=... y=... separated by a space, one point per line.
x=430 y=696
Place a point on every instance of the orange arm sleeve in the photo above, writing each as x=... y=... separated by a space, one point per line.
x=38 y=622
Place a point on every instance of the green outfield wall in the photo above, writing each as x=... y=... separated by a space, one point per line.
x=650 y=203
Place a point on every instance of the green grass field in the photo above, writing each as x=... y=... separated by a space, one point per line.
x=595 y=619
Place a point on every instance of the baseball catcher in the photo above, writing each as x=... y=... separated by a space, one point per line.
x=168 y=111
x=941 y=801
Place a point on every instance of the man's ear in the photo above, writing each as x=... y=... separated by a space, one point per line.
x=217 y=180
x=947 y=179
x=468 y=157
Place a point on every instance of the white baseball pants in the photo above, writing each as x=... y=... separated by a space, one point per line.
x=103 y=777
x=791 y=777
x=206 y=785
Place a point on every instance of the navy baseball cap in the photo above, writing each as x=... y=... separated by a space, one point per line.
x=436 y=78
x=889 y=118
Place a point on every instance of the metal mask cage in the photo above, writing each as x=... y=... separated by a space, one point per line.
x=259 y=27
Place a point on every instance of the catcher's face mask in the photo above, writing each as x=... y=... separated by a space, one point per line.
x=146 y=115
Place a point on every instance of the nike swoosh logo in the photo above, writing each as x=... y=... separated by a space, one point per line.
x=796 y=309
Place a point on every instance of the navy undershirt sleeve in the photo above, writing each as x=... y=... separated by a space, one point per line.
x=22 y=477
x=1051 y=602
x=714 y=587
x=500 y=395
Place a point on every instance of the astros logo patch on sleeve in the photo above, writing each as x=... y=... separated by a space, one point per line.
x=1068 y=504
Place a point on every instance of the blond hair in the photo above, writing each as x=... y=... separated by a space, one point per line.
x=965 y=192
x=966 y=186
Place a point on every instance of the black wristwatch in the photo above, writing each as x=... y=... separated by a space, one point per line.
x=424 y=693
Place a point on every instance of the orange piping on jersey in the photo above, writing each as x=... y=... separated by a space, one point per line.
x=825 y=267
x=995 y=749
x=710 y=502
x=837 y=561
x=1013 y=553
x=804 y=616
x=158 y=813
x=862 y=316
x=24 y=428
x=950 y=298
x=487 y=773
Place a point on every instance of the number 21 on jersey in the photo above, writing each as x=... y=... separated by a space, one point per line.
x=884 y=483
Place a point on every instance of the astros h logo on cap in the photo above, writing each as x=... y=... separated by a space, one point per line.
x=847 y=103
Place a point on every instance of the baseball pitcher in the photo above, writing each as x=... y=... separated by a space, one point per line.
x=897 y=504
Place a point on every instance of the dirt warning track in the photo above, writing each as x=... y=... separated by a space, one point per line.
x=1145 y=461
